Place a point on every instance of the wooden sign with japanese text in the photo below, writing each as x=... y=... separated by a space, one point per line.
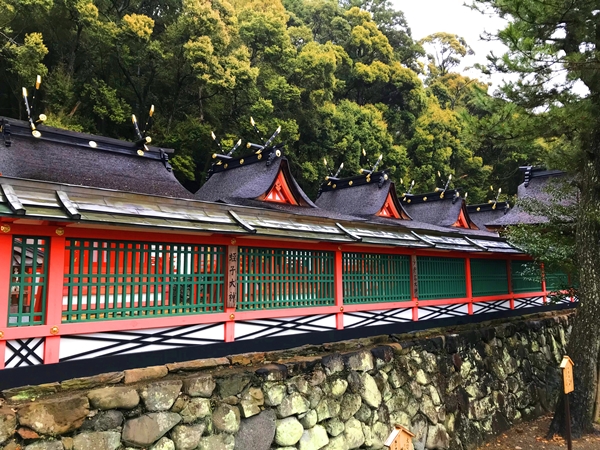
x=567 y=367
x=415 y=276
x=399 y=439
x=232 y=271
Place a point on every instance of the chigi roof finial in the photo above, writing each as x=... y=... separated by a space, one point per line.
x=494 y=202
x=374 y=168
x=410 y=188
x=332 y=176
x=445 y=188
x=30 y=108
x=142 y=138
x=266 y=150
x=260 y=147
x=228 y=156
x=253 y=123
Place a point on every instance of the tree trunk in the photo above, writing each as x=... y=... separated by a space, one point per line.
x=584 y=342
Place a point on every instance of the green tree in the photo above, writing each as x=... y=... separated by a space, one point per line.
x=392 y=23
x=447 y=52
x=553 y=46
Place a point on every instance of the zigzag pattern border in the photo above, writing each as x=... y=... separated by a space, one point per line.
x=23 y=352
x=279 y=327
x=373 y=318
x=443 y=311
x=125 y=342
x=487 y=307
x=528 y=302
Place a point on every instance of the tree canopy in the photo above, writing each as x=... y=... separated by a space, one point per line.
x=554 y=48
x=338 y=76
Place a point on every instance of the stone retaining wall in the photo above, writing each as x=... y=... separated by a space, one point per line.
x=452 y=390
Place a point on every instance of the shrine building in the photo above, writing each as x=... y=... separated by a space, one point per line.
x=107 y=262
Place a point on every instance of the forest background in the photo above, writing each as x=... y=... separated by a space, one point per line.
x=338 y=76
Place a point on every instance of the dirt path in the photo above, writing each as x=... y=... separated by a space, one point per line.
x=532 y=435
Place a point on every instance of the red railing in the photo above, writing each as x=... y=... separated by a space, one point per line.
x=54 y=327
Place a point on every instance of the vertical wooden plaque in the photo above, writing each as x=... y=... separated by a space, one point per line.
x=232 y=278
x=415 y=276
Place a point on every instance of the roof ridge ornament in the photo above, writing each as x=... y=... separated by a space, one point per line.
x=445 y=186
x=332 y=176
x=409 y=192
x=5 y=130
x=220 y=156
x=265 y=145
x=383 y=175
x=227 y=161
x=142 y=138
x=30 y=108
x=456 y=196
x=494 y=202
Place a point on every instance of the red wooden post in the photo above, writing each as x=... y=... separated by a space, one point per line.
x=544 y=283
x=509 y=279
x=469 y=285
x=338 y=289
x=414 y=287
x=5 y=274
x=54 y=300
x=569 y=282
x=231 y=289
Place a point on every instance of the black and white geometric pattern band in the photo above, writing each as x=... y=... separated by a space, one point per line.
x=84 y=346
x=263 y=328
x=490 y=307
x=530 y=302
x=373 y=318
x=24 y=352
x=442 y=312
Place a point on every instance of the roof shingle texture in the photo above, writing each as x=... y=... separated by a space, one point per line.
x=535 y=189
x=487 y=214
x=39 y=159
x=443 y=213
x=364 y=200
x=247 y=183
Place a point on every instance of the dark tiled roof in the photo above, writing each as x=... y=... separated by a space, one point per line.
x=364 y=200
x=48 y=201
x=249 y=181
x=62 y=156
x=437 y=208
x=534 y=187
x=486 y=213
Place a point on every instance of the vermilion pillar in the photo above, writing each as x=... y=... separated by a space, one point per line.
x=509 y=279
x=469 y=285
x=544 y=283
x=338 y=290
x=54 y=300
x=5 y=273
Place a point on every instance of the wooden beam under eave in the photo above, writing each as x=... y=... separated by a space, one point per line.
x=68 y=205
x=13 y=200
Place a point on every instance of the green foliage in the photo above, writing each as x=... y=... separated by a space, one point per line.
x=447 y=51
x=554 y=47
x=337 y=76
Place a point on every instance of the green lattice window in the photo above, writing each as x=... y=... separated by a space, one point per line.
x=373 y=278
x=489 y=277
x=28 y=283
x=556 y=280
x=108 y=279
x=441 y=278
x=526 y=276
x=278 y=278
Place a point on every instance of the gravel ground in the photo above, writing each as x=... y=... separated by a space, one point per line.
x=532 y=435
